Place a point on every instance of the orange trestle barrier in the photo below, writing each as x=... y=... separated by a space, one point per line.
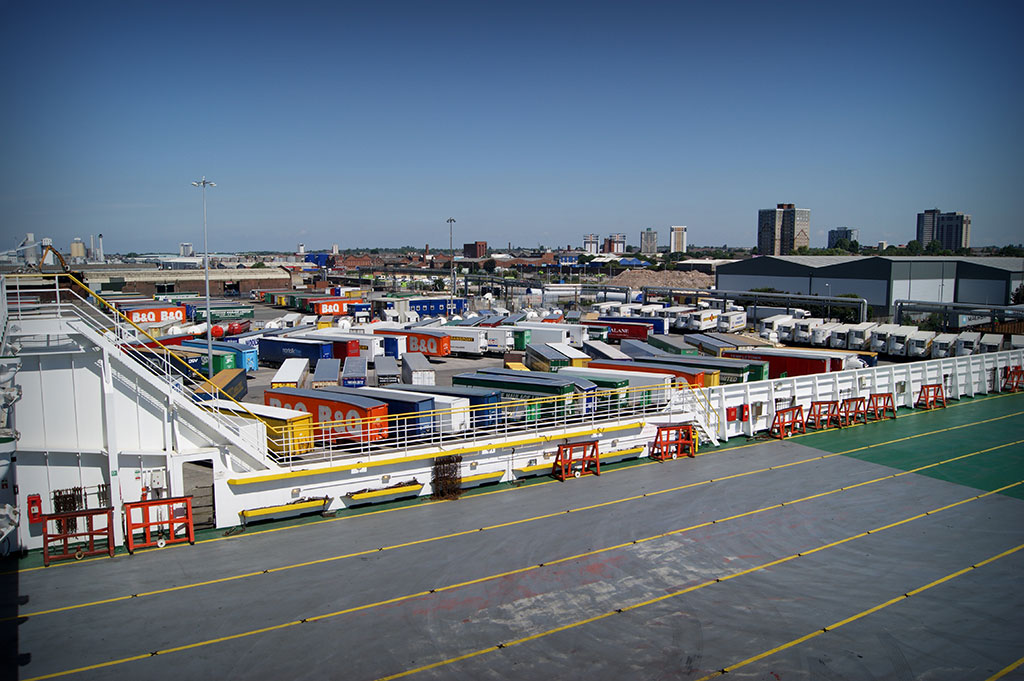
x=173 y=525
x=787 y=422
x=881 y=402
x=65 y=531
x=568 y=464
x=822 y=413
x=671 y=442
x=932 y=396
x=1014 y=379
x=851 y=409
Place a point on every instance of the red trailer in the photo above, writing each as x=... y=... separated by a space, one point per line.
x=148 y=315
x=694 y=378
x=431 y=343
x=346 y=414
x=166 y=340
x=790 y=362
x=332 y=306
x=620 y=330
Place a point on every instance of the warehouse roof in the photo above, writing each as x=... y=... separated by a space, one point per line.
x=1009 y=264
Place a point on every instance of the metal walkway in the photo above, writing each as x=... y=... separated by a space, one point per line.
x=738 y=559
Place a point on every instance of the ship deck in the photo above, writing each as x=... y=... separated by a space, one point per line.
x=886 y=551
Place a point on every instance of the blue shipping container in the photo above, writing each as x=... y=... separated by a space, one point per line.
x=407 y=409
x=276 y=349
x=489 y=399
x=246 y=357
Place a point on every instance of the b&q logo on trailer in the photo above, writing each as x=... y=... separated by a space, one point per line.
x=162 y=314
x=428 y=346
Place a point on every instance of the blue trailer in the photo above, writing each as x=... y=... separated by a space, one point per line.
x=276 y=349
x=252 y=338
x=408 y=416
x=486 y=400
x=246 y=357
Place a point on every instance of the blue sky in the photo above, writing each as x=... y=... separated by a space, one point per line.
x=371 y=123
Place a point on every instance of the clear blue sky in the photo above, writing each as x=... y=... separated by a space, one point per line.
x=371 y=123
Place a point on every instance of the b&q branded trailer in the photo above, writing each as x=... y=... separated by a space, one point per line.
x=410 y=415
x=331 y=306
x=148 y=314
x=430 y=342
x=337 y=416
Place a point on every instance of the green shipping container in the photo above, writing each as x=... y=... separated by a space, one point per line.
x=673 y=344
x=521 y=338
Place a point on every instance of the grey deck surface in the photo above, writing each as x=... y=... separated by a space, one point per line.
x=967 y=628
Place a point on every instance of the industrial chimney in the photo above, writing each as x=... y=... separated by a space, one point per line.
x=99 y=249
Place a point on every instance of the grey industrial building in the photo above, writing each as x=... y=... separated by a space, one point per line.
x=880 y=279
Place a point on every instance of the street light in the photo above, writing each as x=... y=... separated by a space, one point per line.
x=451 y=247
x=203 y=184
x=828 y=294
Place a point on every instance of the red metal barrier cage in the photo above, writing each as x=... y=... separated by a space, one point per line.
x=672 y=442
x=158 y=522
x=62 y=528
x=576 y=459
x=787 y=422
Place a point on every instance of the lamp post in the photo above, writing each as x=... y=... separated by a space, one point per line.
x=828 y=294
x=203 y=184
x=451 y=247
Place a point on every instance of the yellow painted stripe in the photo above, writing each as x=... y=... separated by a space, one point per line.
x=623 y=452
x=1006 y=670
x=283 y=508
x=483 y=476
x=385 y=492
x=675 y=594
x=870 y=611
x=520 y=571
x=306 y=472
x=501 y=491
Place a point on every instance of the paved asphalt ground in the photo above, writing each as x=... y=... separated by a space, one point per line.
x=739 y=559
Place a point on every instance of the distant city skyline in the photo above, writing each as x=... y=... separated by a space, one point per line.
x=369 y=125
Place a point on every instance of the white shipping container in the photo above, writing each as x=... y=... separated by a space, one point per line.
x=292 y=373
x=416 y=370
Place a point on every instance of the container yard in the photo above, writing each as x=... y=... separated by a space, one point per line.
x=337 y=424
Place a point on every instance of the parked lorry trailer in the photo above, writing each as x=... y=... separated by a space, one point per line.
x=337 y=417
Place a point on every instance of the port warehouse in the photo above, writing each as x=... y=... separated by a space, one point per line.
x=881 y=280
x=155 y=424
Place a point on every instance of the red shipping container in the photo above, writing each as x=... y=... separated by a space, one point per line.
x=624 y=330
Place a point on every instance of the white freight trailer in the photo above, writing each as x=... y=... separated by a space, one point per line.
x=991 y=342
x=859 y=336
x=734 y=320
x=802 y=332
x=292 y=373
x=702 y=320
x=821 y=335
x=880 y=337
x=896 y=343
x=839 y=336
x=370 y=347
x=573 y=334
x=466 y=340
x=416 y=370
x=944 y=345
x=967 y=343
x=919 y=344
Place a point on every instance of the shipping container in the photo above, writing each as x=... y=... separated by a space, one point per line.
x=634 y=330
x=246 y=357
x=821 y=335
x=385 y=369
x=521 y=337
x=920 y=344
x=484 y=402
x=351 y=344
x=839 y=336
x=645 y=387
x=789 y=362
x=288 y=431
x=354 y=373
x=500 y=339
x=230 y=382
x=672 y=344
x=274 y=350
x=701 y=320
x=416 y=369
x=431 y=342
x=149 y=314
x=689 y=376
x=784 y=330
x=293 y=373
x=542 y=357
x=328 y=372
x=337 y=416
x=967 y=343
x=880 y=337
x=991 y=342
x=635 y=349
x=804 y=329
x=467 y=341
x=408 y=414
x=732 y=320
x=558 y=398
x=601 y=350
x=221 y=359
x=547 y=333
x=224 y=312
x=577 y=358
x=584 y=388
x=896 y=343
x=859 y=336
x=944 y=345
x=657 y=324
x=729 y=370
x=451 y=415
x=767 y=326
